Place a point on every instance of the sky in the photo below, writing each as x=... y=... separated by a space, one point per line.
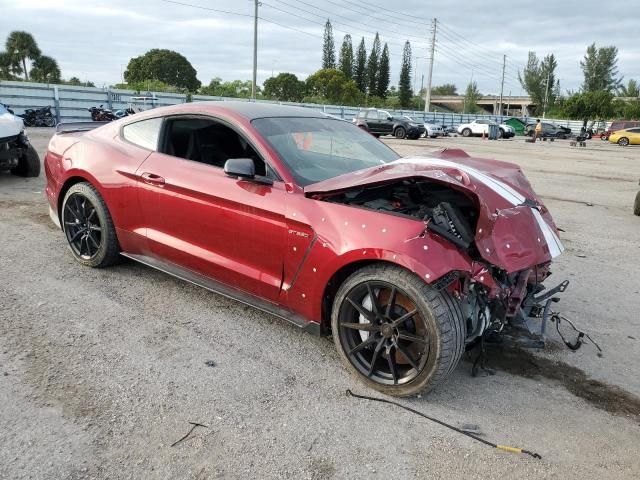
x=95 y=39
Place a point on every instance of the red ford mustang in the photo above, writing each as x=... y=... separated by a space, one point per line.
x=405 y=261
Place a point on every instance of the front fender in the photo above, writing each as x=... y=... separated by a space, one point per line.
x=420 y=252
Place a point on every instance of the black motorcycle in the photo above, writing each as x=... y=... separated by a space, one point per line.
x=99 y=114
x=40 y=117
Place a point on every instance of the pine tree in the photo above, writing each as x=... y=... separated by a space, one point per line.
x=328 y=47
x=360 y=68
x=471 y=97
x=345 y=61
x=384 y=73
x=600 y=68
x=372 y=66
x=405 y=93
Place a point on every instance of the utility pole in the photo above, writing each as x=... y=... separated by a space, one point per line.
x=546 y=96
x=421 y=87
x=255 y=49
x=427 y=103
x=504 y=64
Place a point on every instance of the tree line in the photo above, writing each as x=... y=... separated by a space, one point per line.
x=354 y=77
x=601 y=92
x=22 y=59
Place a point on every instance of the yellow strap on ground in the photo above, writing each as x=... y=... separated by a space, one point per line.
x=509 y=449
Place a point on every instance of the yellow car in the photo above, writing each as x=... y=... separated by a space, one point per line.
x=628 y=136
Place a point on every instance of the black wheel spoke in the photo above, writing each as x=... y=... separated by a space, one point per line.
x=391 y=302
x=406 y=355
x=374 y=300
x=95 y=244
x=410 y=337
x=399 y=321
x=367 y=327
x=392 y=367
x=95 y=228
x=363 y=311
x=374 y=358
x=72 y=212
x=91 y=215
x=77 y=234
x=369 y=341
x=79 y=214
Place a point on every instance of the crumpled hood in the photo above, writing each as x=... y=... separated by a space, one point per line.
x=514 y=231
x=10 y=125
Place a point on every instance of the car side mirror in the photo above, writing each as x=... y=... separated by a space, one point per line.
x=389 y=117
x=241 y=168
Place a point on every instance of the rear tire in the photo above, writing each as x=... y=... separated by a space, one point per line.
x=400 y=133
x=29 y=164
x=466 y=132
x=434 y=336
x=636 y=205
x=88 y=226
x=623 y=142
x=49 y=122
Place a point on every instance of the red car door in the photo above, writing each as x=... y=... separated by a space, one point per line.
x=196 y=217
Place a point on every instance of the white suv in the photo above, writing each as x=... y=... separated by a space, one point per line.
x=479 y=127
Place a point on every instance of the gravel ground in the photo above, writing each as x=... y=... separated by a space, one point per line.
x=101 y=371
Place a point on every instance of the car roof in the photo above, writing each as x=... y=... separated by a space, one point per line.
x=249 y=110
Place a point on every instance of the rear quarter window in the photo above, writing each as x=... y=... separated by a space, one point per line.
x=145 y=133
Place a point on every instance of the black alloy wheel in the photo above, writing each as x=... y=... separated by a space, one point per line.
x=88 y=227
x=82 y=226
x=395 y=332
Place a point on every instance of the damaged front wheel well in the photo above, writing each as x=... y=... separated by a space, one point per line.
x=334 y=283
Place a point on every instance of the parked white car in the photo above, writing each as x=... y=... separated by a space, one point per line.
x=480 y=126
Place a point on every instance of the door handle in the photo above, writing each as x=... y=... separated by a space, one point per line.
x=152 y=179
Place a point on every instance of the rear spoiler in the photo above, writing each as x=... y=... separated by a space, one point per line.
x=69 y=127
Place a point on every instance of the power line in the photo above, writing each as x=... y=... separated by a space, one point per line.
x=389 y=13
x=324 y=16
x=370 y=14
x=208 y=8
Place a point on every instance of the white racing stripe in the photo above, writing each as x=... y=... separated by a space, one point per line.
x=505 y=191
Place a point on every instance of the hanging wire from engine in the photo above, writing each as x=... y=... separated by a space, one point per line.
x=558 y=318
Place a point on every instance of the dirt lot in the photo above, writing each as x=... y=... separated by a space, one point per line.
x=101 y=370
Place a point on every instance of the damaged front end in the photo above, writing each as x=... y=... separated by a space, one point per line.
x=488 y=212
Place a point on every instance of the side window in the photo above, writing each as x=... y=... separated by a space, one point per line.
x=144 y=133
x=362 y=114
x=372 y=114
x=634 y=130
x=382 y=115
x=207 y=141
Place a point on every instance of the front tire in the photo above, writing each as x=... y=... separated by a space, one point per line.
x=88 y=226
x=400 y=133
x=466 y=132
x=29 y=164
x=394 y=332
x=49 y=122
x=623 y=142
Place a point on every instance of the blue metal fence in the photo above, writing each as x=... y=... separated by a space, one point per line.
x=71 y=103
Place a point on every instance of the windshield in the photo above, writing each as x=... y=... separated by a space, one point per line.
x=316 y=149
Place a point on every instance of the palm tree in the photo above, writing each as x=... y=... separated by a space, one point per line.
x=22 y=46
x=9 y=67
x=45 y=69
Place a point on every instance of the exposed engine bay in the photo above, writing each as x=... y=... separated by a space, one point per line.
x=447 y=212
